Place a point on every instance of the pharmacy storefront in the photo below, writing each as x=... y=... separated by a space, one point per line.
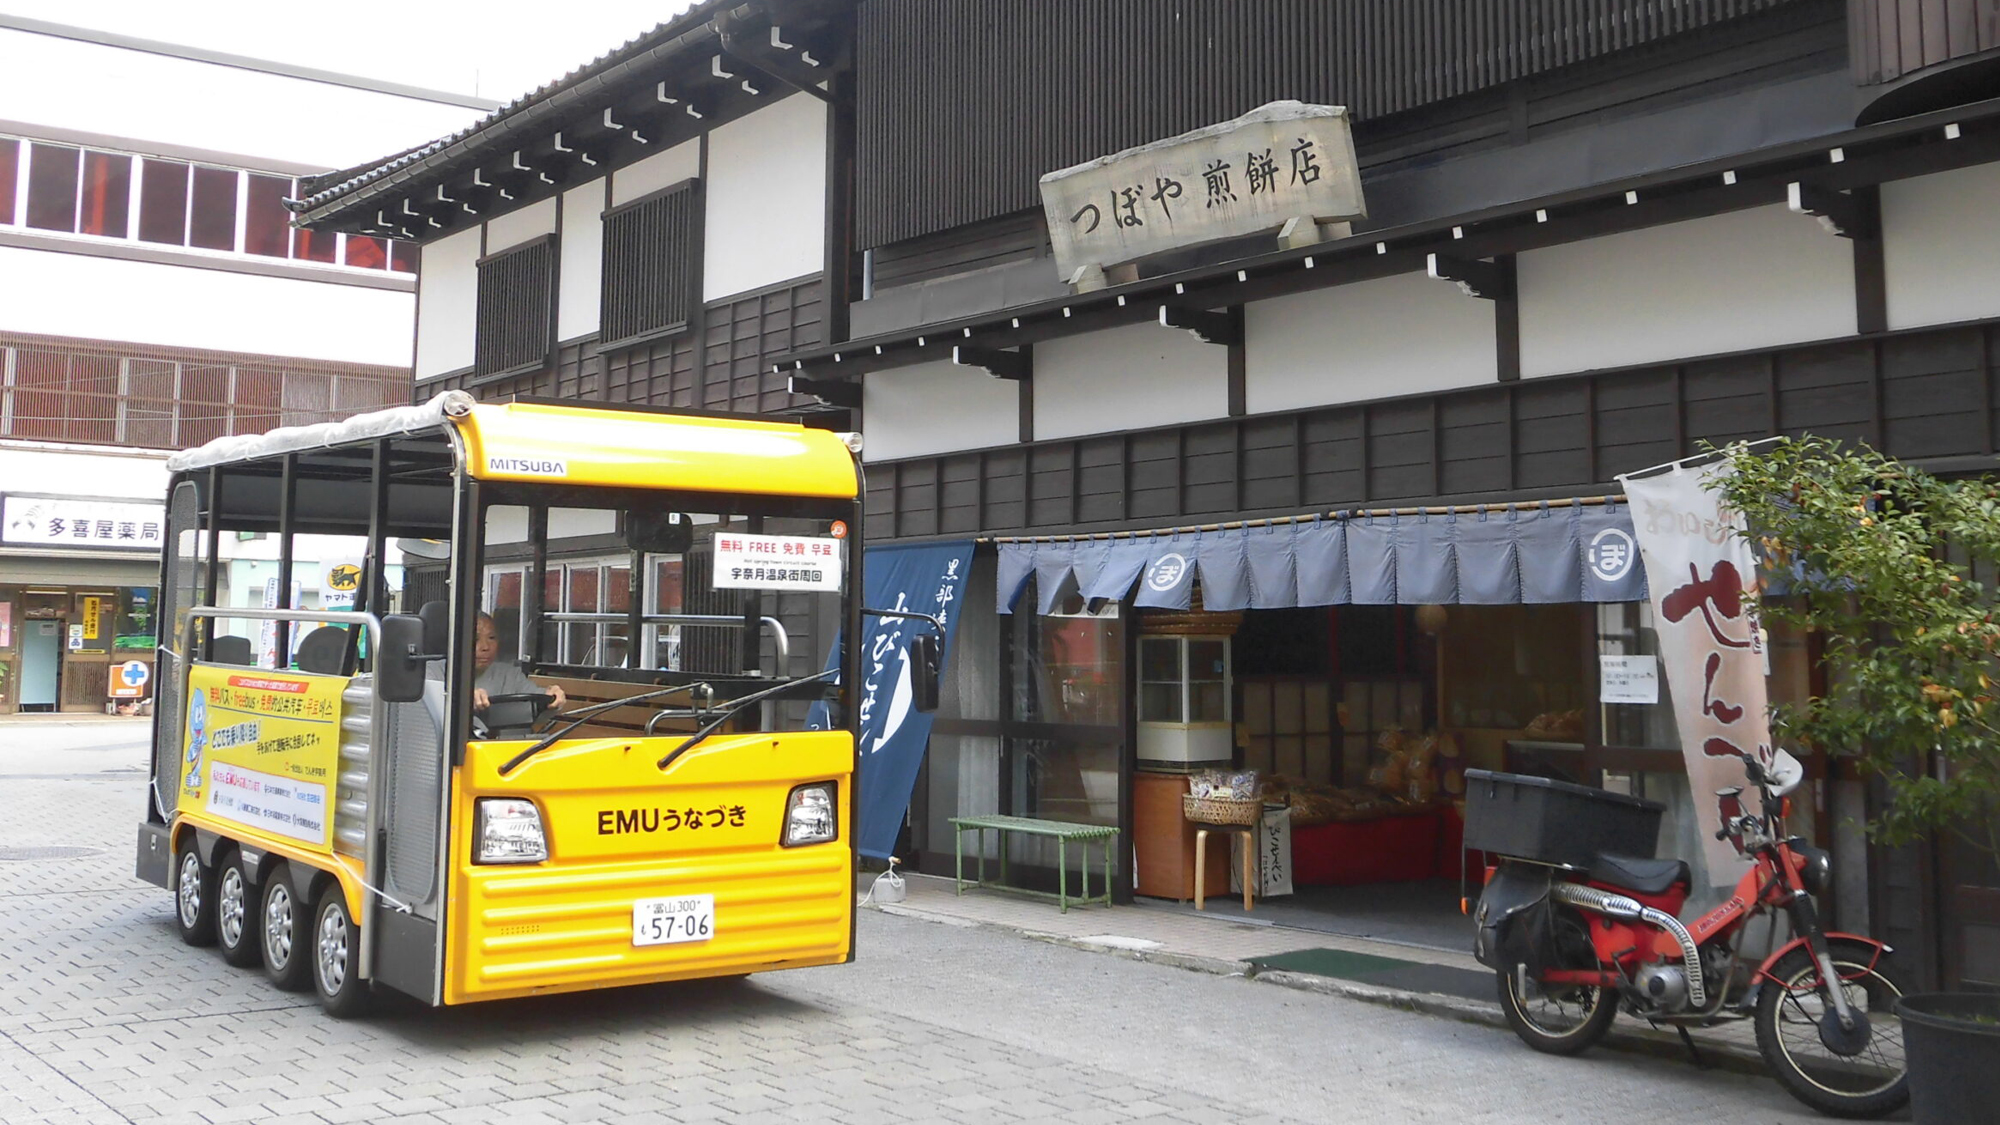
x=78 y=579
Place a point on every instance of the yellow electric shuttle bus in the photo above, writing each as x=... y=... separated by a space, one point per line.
x=558 y=720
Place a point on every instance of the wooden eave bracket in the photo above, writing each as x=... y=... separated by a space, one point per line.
x=1492 y=281
x=833 y=392
x=998 y=363
x=1223 y=328
x=1839 y=213
x=751 y=55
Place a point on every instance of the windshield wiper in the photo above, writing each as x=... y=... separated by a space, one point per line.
x=579 y=717
x=736 y=707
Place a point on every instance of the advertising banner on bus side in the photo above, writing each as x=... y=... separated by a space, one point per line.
x=262 y=749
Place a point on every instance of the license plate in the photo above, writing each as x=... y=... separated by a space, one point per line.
x=665 y=921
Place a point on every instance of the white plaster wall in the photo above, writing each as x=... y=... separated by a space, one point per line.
x=1941 y=246
x=1372 y=339
x=936 y=408
x=1752 y=279
x=662 y=169
x=147 y=303
x=1127 y=379
x=581 y=275
x=766 y=196
x=70 y=84
x=112 y=474
x=447 y=303
x=515 y=227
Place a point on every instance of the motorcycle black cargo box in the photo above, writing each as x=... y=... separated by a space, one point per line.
x=1550 y=821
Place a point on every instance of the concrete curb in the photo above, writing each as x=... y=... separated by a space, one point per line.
x=1623 y=1037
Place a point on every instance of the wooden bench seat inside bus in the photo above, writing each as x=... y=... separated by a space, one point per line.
x=624 y=722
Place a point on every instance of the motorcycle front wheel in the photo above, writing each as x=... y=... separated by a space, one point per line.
x=1842 y=1072
x=1557 y=1020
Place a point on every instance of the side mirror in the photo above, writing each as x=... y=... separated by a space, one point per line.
x=399 y=667
x=924 y=671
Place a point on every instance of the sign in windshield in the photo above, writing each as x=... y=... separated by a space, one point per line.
x=776 y=562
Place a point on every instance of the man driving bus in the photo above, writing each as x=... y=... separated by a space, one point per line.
x=491 y=677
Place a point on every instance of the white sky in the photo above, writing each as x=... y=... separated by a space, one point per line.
x=497 y=49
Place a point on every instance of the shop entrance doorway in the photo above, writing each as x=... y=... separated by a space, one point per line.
x=1361 y=721
x=41 y=665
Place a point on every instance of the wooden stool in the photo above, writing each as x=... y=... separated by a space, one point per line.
x=1249 y=832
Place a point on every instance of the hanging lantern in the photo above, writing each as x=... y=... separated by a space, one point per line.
x=1431 y=619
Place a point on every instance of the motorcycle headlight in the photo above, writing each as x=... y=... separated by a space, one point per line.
x=508 y=830
x=1817 y=871
x=812 y=816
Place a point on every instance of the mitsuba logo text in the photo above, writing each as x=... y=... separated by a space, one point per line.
x=527 y=466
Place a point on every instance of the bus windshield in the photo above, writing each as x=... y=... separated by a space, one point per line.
x=651 y=591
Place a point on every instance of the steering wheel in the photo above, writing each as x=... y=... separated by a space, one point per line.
x=507 y=705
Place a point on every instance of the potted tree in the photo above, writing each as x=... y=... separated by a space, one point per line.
x=1880 y=560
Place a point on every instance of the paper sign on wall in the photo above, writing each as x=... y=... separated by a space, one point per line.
x=1628 y=679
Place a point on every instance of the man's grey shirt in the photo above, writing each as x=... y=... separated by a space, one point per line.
x=502 y=678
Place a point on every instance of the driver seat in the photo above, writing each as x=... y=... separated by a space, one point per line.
x=1646 y=876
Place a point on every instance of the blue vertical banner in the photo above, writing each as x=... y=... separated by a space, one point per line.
x=891 y=733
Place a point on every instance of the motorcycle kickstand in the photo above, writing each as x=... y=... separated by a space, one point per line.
x=1699 y=1062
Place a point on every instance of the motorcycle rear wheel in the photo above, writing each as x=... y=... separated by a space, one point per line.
x=1560 y=1021
x=1790 y=1010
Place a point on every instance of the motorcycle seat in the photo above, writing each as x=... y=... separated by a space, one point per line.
x=1646 y=876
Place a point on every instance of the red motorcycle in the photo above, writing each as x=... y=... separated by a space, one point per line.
x=1576 y=931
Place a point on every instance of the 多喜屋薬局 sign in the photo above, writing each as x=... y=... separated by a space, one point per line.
x=61 y=521
x=1279 y=162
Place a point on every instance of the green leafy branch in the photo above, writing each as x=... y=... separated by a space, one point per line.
x=1884 y=562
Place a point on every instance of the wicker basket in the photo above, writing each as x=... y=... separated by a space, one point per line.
x=1221 y=810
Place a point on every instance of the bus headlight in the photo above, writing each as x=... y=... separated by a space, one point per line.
x=811 y=815
x=508 y=830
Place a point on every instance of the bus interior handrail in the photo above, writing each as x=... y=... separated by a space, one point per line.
x=781 y=639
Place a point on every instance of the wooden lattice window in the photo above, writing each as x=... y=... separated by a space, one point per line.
x=516 y=308
x=652 y=247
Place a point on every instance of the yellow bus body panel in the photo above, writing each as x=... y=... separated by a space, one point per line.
x=623 y=449
x=566 y=924
x=345 y=868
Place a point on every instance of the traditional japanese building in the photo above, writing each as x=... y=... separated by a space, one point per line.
x=1321 y=499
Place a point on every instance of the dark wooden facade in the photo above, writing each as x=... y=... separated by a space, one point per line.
x=1895 y=38
x=1924 y=395
x=722 y=363
x=1079 y=79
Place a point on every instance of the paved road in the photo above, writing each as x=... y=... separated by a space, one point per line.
x=106 y=1017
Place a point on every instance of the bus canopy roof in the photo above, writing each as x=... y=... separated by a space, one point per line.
x=300 y=439
x=583 y=445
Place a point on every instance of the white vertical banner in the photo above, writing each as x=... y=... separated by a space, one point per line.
x=267 y=635
x=1702 y=576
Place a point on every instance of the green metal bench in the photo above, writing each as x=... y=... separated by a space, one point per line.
x=1062 y=832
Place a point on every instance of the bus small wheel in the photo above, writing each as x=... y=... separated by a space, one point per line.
x=287 y=933
x=336 y=957
x=236 y=915
x=194 y=895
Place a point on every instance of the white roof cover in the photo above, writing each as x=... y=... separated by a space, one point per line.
x=295 y=439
